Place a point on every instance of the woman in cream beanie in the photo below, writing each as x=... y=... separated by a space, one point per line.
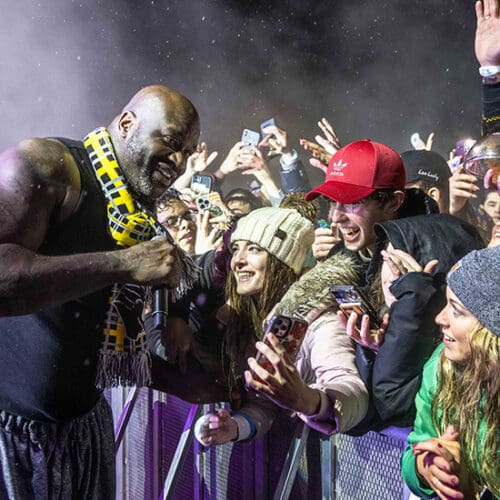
x=268 y=250
x=322 y=384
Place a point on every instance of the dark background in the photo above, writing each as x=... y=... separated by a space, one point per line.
x=377 y=69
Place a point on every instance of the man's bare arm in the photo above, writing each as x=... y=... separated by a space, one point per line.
x=39 y=187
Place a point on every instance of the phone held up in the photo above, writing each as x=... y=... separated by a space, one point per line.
x=290 y=331
x=351 y=299
x=268 y=123
x=211 y=202
x=201 y=184
x=250 y=136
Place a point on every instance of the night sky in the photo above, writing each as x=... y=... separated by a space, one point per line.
x=377 y=69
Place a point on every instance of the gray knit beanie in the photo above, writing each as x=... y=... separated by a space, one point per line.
x=283 y=232
x=475 y=280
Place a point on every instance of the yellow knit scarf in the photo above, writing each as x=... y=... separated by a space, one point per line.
x=124 y=359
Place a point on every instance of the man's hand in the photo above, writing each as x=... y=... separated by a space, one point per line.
x=397 y=264
x=418 y=143
x=197 y=162
x=324 y=240
x=215 y=429
x=320 y=156
x=487 y=41
x=462 y=188
x=275 y=139
x=206 y=237
x=200 y=159
x=284 y=386
x=330 y=142
x=154 y=262
x=232 y=161
x=369 y=338
x=324 y=148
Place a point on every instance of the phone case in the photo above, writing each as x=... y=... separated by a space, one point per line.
x=212 y=202
x=265 y=124
x=201 y=184
x=290 y=331
x=250 y=136
x=352 y=299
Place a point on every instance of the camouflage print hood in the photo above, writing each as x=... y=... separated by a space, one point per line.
x=310 y=296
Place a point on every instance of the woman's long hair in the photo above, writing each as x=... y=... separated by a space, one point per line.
x=467 y=397
x=247 y=312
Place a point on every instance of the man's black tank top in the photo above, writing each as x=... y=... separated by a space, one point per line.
x=48 y=361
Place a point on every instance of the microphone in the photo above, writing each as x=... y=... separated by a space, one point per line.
x=160 y=297
x=160 y=307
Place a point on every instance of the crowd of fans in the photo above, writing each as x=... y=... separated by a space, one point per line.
x=371 y=300
x=393 y=225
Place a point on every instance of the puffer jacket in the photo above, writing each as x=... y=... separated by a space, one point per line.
x=326 y=359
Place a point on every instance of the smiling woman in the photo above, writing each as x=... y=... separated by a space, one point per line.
x=321 y=384
x=268 y=250
x=453 y=449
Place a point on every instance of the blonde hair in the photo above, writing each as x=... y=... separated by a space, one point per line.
x=467 y=397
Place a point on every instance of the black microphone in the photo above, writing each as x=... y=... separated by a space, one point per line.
x=160 y=307
x=160 y=297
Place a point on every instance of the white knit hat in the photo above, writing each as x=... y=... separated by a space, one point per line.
x=283 y=232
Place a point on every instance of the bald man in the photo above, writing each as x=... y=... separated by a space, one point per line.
x=75 y=221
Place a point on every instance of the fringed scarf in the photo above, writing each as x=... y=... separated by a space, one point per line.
x=123 y=357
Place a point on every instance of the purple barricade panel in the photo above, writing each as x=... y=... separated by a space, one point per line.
x=364 y=467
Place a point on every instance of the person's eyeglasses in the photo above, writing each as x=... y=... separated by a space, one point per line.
x=175 y=221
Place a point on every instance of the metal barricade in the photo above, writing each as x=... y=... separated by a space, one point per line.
x=158 y=458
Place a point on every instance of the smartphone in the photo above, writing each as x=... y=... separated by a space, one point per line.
x=250 y=136
x=462 y=147
x=201 y=184
x=266 y=124
x=351 y=299
x=290 y=330
x=211 y=202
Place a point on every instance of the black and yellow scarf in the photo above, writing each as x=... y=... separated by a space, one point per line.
x=124 y=358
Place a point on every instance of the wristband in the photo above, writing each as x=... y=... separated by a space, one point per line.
x=489 y=70
x=246 y=426
x=490 y=74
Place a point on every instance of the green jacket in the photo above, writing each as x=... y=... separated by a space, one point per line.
x=423 y=428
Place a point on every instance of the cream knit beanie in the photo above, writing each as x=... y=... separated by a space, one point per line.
x=283 y=232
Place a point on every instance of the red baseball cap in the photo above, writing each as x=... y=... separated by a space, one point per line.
x=358 y=169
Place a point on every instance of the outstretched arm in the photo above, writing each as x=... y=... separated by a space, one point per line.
x=39 y=189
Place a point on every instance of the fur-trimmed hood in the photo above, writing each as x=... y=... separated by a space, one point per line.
x=310 y=296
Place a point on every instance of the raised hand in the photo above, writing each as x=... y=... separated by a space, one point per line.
x=371 y=338
x=197 y=162
x=324 y=240
x=324 y=147
x=207 y=235
x=318 y=152
x=232 y=161
x=419 y=143
x=462 y=188
x=330 y=142
x=200 y=159
x=487 y=40
x=275 y=139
